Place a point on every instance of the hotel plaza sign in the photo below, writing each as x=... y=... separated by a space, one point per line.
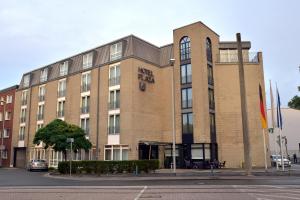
x=145 y=76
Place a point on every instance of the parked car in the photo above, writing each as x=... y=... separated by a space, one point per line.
x=277 y=158
x=37 y=165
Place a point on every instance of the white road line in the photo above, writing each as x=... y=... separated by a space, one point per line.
x=276 y=196
x=140 y=194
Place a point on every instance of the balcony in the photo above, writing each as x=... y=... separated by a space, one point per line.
x=114 y=105
x=40 y=117
x=85 y=110
x=85 y=87
x=61 y=93
x=249 y=57
x=60 y=113
x=114 y=81
x=41 y=98
x=113 y=130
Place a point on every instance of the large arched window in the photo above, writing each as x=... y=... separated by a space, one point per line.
x=185 y=48
x=208 y=50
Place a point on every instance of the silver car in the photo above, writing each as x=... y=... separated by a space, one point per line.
x=277 y=158
x=37 y=165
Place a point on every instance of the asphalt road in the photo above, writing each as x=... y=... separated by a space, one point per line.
x=18 y=184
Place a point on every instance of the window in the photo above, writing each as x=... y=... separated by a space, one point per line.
x=39 y=126
x=24 y=97
x=212 y=123
x=185 y=48
x=7 y=115
x=210 y=74
x=114 y=124
x=26 y=80
x=114 y=99
x=6 y=133
x=85 y=125
x=186 y=98
x=44 y=75
x=62 y=88
x=23 y=115
x=40 y=114
x=116 y=152
x=187 y=123
x=85 y=82
x=197 y=151
x=9 y=99
x=22 y=133
x=116 y=51
x=208 y=50
x=114 y=75
x=186 y=73
x=4 y=154
x=85 y=104
x=211 y=98
x=1 y=116
x=42 y=91
x=61 y=109
x=87 y=60
x=63 y=68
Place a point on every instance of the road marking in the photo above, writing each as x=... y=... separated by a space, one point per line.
x=284 y=197
x=140 y=194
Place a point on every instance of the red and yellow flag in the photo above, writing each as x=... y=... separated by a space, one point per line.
x=262 y=109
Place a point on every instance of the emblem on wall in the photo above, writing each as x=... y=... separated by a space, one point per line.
x=145 y=76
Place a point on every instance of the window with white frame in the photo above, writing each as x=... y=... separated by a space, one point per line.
x=7 y=115
x=87 y=60
x=116 y=152
x=114 y=99
x=26 y=80
x=44 y=75
x=40 y=113
x=116 y=51
x=85 y=125
x=23 y=115
x=62 y=85
x=24 y=97
x=114 y=75
x=9 y=99
x=86 y=82
x=22 y=133
x=4 y=154
x=114 y=124
x=6 y=133
x=42 y=91
x=85 y=104
x=39 y=126
x=61 y=109
x=63 y=68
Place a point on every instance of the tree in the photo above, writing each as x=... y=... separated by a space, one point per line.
x=55 y=135
x=295 y=102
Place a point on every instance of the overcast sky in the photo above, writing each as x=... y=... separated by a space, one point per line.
x=36 y=33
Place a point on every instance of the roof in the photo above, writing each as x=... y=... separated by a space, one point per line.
x=9 y=88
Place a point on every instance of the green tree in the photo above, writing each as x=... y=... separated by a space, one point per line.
x=294 y=102
x=55 y=135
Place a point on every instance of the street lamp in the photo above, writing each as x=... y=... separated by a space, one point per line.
x=2 y=134
x=172 y=62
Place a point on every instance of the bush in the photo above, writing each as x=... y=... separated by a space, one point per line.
x=105 y=167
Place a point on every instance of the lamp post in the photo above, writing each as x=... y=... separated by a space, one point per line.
x=71 y=140
x=2 y=134
x=172 y=62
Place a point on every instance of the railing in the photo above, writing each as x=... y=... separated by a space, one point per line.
x=40 y=116
x=114 y=105
x=113 y=130
x=85 y=110
x=42 y=98
x=114 y=81
x=187 y=104
x=61 y=93
x=85 y=87
x=60 y=113
x=248 y=57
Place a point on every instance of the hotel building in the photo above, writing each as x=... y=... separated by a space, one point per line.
x=121 y=94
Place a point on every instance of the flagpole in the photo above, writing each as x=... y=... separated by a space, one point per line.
x=275 y=146
x=279 y=124
x=281 y=153
x=265 y=151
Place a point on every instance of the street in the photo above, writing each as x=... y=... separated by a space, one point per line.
x=21 y=184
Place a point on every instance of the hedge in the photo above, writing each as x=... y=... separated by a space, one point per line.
x=106 y=167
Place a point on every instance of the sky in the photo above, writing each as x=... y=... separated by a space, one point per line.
x=35 y=33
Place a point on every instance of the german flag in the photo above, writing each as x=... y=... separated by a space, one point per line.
x=262 y=109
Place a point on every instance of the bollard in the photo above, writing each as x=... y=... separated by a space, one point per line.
x=212 y=169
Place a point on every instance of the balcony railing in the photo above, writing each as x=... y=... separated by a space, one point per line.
x=61 y=93
x=113 y=130
x=250 y=57
x=85 y=110
x=85 y=87
x=60 y=113
x=114 y=105
x=42 y=98
x=40 y=116
x=114 y=81
x=22 y=119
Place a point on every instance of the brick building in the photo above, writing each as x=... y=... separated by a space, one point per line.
x=121 y=94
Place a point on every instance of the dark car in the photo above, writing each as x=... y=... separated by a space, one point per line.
x=37 y=165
